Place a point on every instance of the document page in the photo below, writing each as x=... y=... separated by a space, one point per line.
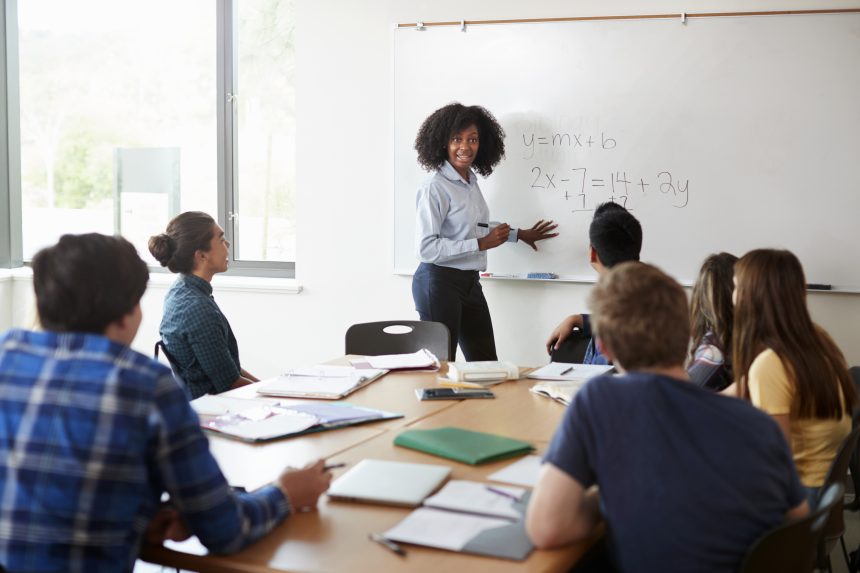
x=443 y=529
x=479 y=498
x=522 y=472
x=568 y=371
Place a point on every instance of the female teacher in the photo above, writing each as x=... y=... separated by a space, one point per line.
x=453 y=229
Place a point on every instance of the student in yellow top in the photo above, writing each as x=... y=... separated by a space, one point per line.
x=787 y=365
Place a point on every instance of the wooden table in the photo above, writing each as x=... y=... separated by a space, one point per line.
x=334 y=537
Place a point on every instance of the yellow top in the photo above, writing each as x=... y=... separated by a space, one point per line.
x=814 y=441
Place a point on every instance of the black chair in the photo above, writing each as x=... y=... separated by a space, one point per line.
x=159 y=347
x=375 y=338
x=572 y=349
x=792 y=547
x=834 y=529
x=854 y=465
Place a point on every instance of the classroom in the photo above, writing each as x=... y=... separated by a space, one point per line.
x=345 y=265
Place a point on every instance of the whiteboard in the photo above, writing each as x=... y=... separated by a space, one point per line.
x=722 y=134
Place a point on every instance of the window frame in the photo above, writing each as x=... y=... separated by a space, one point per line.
x=11 y=239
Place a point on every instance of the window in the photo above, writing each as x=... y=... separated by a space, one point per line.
x=131 y=112
x=266 y=141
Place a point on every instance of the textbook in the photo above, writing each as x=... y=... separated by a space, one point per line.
x=559 y=391
x=480 y=374
x=474 y=520
x=323 y=382
x=462 y=445
x=262 y=420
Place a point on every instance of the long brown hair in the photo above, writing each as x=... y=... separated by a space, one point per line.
x=711 y=308
x=771 y=312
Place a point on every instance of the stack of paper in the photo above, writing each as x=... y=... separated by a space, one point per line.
x=325 y=382
x=479 y=374
x=421 y=360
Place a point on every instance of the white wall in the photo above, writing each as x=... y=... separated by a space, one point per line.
x=345 y=196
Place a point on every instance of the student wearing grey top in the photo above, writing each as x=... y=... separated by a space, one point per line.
x=453 y=230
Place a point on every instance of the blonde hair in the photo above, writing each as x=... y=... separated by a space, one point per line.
x=640 y=315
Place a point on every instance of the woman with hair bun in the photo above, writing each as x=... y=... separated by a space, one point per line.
x=193 y=329
x=453 y=229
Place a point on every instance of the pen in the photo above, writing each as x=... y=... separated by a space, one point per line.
x=388 y=544
x=502 y=493
x=484 y=225
x=329 y=467
x=565 y=371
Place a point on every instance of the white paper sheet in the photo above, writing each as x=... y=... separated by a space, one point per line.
x=215 y=405
x=442 y=529
x=476 y=497
x=421 y=359
x=262 y=423
x=568 y=371
x=522 y=472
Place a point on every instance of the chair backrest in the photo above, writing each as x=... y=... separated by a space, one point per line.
x=855 y=375
x=398 y=337
x=836 y=474
x=160 y=347
x=792 y=547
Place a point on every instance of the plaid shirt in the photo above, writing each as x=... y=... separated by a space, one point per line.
x=199 y=337
x=92 y=433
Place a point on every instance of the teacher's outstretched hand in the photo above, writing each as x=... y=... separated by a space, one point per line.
x=539 y=231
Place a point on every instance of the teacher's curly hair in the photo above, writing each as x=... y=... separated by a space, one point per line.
x=431 y=143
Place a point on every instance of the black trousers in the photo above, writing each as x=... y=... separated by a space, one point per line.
x=455 y=298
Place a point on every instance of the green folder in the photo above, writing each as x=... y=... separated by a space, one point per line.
x=462 y=445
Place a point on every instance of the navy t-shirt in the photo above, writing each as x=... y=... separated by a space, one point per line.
x=688 y=479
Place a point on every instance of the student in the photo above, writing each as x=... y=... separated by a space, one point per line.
x=656 y=446
x=453 y=227
x=194 y=330
x=616 y=237
x=787 y=365
x=96 y=432
x=712 y=317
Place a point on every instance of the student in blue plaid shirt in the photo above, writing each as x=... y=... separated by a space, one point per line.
x=195 y=332
x=93 y=432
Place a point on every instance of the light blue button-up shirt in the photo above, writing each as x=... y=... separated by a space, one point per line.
x=448 y=210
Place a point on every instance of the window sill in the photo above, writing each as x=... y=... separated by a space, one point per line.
x=220 y=283
x=237 y=284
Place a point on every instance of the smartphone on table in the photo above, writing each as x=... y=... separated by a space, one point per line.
x=452 y=393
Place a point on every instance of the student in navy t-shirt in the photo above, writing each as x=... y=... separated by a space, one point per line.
x=687 y=479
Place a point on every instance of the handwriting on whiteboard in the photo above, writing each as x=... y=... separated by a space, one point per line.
x=586 y=188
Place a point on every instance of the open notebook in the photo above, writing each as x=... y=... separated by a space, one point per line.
x=261 y=420
x=470 y=517
x=323 y=382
